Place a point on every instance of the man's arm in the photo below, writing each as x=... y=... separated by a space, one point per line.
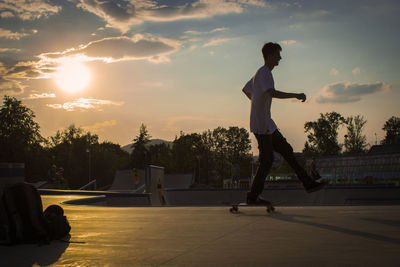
x=279 y=94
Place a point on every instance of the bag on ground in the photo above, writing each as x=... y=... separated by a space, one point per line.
x=22 y=219
x=57 y=224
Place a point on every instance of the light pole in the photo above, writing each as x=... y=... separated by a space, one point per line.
x=198 y=162
x=252 y=169
x=88 y=151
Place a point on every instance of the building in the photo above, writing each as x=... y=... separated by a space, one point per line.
x=380 y=166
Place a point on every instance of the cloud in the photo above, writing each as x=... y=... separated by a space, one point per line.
x=334 y=72
x=40 y=96
x=10 y=50
x=100 y=126
x=27 y=10
x=288 y=42
x=346 y=92
x=194 y=36
x=11 y=87
x=85 y=104
x=112 y=49
x=256 y=3
x=192 y=32
x=123 y=15
x=7 y=34
x=6 y=14
x=356 y=71
x=28 y=70
x=216 y=42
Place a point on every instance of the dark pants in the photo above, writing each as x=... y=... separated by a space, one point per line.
x=267 y=144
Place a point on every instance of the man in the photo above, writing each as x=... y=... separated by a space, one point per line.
x=260 y=90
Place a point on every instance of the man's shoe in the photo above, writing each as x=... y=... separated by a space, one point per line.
x=251 y=198
x=258 y=201
x=315 y=186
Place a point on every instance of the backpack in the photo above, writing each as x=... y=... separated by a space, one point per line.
x=57 y=224
x=22 y=219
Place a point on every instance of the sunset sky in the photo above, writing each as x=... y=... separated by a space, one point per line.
x=108 y=66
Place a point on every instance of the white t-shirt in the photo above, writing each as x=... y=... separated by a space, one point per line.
x=259 y=89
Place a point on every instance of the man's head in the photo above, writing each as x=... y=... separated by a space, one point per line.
x=271 y=54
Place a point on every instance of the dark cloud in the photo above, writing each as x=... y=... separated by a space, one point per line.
x=123 y=14
x=119 y=48
x=11 y=87
x=28 y=10
x=117 y=10
x=24 y=70
x=346 y=92
x=11 y=78
x=122 y=48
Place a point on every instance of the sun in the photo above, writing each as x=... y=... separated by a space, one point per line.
x=72 y=76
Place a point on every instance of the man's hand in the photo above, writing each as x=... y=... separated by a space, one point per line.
x=301 y=97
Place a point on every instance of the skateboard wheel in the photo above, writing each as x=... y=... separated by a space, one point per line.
x=270 y=209
x=233 y=209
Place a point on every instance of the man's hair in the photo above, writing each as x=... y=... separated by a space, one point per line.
x=270 y=48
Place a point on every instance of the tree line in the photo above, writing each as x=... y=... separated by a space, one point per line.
x=322 y=134
x=212 y=155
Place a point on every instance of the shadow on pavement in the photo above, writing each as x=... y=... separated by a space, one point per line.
x=32 y=254
x=295 y=219
x=383 y=221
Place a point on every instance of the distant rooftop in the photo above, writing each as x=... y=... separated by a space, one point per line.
x=385 y=149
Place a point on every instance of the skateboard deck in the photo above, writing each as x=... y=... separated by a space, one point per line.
x=235 y=207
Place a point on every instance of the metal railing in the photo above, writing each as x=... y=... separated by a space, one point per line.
x=93 y=182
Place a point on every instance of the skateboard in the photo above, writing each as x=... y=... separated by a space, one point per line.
x=235 y=207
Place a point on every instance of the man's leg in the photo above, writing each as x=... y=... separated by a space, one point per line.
x=266 y=157
x=285 y=149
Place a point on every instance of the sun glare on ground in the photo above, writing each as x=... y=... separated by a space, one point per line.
x=72 y=76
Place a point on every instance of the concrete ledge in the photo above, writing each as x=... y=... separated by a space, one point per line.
x=123 y=200
x=101 y=198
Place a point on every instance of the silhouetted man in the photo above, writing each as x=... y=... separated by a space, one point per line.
x=260 y=90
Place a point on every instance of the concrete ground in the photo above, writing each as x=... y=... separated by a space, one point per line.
x=212 y=236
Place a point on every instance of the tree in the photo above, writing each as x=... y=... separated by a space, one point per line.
x=107 y=158
x=238 y=143
x=76 y=151
x=392 y=128
x=323 y=133
x=70 y=150
x=355 y=142
x=20 y=138
x=213 y=152
x=231 y=147
x=139 y=155
x=185 y=150
x=19 y=133
x=161 y=155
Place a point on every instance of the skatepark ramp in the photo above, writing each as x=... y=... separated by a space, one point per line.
x=154 y=177
x=178 y=181
x=127 y=181
x=140 y=181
